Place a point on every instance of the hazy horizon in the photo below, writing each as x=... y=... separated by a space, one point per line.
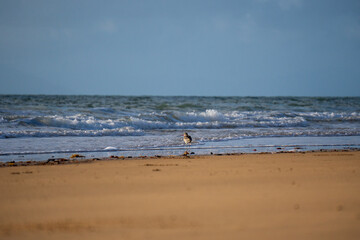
x=205 y=96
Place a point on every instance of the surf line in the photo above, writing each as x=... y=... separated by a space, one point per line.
x=176 y=148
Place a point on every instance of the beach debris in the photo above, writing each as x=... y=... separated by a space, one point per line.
x=156 y=170
x=12 y=163
x=18 y=173
x=185 y=153
x=192 y=153
x=77 y=156
x=56 y=160
x=119 y=157
x=159 y=165
x=51 y=161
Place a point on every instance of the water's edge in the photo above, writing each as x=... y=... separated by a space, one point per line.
x=259 y=145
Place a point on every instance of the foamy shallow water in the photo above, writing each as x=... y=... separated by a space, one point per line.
x=38 y=150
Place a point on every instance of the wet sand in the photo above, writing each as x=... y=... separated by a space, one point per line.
x=252 y=196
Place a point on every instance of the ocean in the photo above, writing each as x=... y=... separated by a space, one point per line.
x=37 y=127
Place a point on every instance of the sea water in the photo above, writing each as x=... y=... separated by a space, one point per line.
x=36 y=127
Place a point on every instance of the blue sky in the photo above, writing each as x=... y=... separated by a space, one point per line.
x=237 y=48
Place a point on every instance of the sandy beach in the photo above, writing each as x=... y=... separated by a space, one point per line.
x=313 y=195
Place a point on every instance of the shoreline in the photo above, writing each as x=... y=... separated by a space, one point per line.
x=79 y=159
x=103 y=147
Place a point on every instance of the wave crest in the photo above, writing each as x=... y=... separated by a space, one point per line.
x=135 y=124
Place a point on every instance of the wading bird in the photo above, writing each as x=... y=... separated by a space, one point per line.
x=187 y=138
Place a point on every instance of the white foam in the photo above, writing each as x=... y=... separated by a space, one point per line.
x=331 y=116
x=208 y=115
x=138 y=123
x=110 y=148
x=125 y=131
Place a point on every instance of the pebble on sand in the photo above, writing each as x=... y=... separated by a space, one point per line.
x=77 y=156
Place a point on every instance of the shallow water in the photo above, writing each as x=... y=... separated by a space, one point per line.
x=39 y=126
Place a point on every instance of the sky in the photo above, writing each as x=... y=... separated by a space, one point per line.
x=172 y=47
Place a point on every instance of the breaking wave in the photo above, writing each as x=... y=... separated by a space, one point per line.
x=136 y=124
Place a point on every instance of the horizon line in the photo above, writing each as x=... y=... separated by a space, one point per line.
x=151 y=95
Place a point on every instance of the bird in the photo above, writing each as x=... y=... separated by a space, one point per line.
x=187 y=138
